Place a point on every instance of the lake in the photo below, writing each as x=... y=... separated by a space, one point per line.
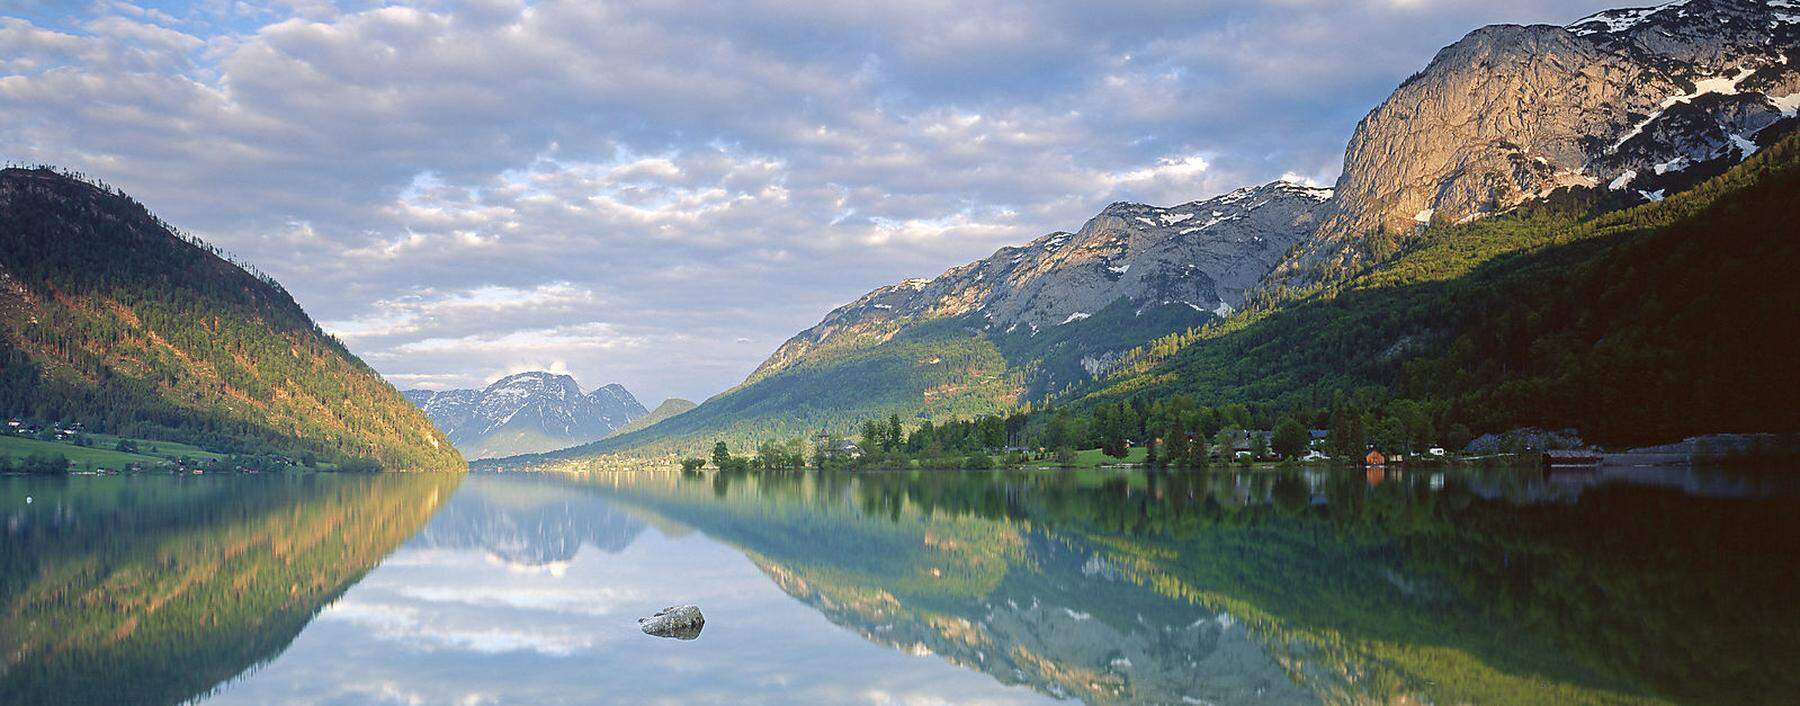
x=1101 y=587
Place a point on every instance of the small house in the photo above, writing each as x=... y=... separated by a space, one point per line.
x=1244 y=439
x=1374 y=458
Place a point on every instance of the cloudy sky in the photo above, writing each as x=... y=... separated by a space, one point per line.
x=659 y=193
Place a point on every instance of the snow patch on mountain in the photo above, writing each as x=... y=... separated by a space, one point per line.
x=527 y=413
x=1616 y=21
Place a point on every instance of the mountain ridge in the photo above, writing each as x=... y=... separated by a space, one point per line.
x=111 y=317
x=664 y=410
x=985 y=335
x=527 y=412
x=1194 y=254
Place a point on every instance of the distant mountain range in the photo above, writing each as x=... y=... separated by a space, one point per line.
x=1622 y=108
x=527 y=413
x=111 y=318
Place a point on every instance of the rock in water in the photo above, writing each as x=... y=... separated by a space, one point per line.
x=682 y=622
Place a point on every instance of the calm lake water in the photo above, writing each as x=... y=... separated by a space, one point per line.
x=1492 y=586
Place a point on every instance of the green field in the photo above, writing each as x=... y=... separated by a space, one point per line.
x=15 y=448
x=102 y=454
x=163 y=449
x=1095 y=458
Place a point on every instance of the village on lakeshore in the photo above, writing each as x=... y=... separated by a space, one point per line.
x=41 y=447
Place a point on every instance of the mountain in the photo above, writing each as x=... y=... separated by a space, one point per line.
x=982 y=337
x=259 y=558
x=1203 y=255
x=109 y=317
x=1641 y=101
x=1615 y=110
x=669 y=408
x=1662 y=321
x=527 y=413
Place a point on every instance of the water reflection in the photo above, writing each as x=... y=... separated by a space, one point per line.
x=528 y=522
x=1417 y=586
x=1331 y=586
x=527 y=589
x=153 y=589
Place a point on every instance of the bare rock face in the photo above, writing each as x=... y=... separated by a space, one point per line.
x=1510 y=113
x=1498 y=117
x=1206 y=255
x=682 y=622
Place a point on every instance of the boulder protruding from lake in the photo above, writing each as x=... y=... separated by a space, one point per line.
x=682 y=622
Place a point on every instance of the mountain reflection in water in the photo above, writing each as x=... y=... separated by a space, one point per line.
x=1494 y=586
x=1629 y=586
x=153 y=589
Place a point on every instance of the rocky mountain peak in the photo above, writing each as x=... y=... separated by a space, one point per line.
x=533 y=384
x=1627 y=99
x=1693 y=32
x=527 y=412
x=1205 y=255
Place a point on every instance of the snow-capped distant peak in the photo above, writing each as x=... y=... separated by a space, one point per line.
x=1614 y=21
x=528 y=412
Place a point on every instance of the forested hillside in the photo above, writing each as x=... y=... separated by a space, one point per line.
x=944 y=369
x=1647 y=324
x=954 y=371
x=110 y=318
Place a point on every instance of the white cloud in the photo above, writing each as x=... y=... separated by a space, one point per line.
x=593 y=334
x=425 y=309
x=408 y=626
x=698 y=173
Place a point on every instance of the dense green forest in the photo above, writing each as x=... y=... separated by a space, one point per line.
x=1639 y=325
x=110 y=318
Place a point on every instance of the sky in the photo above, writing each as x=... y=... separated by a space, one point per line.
x=659 y=193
